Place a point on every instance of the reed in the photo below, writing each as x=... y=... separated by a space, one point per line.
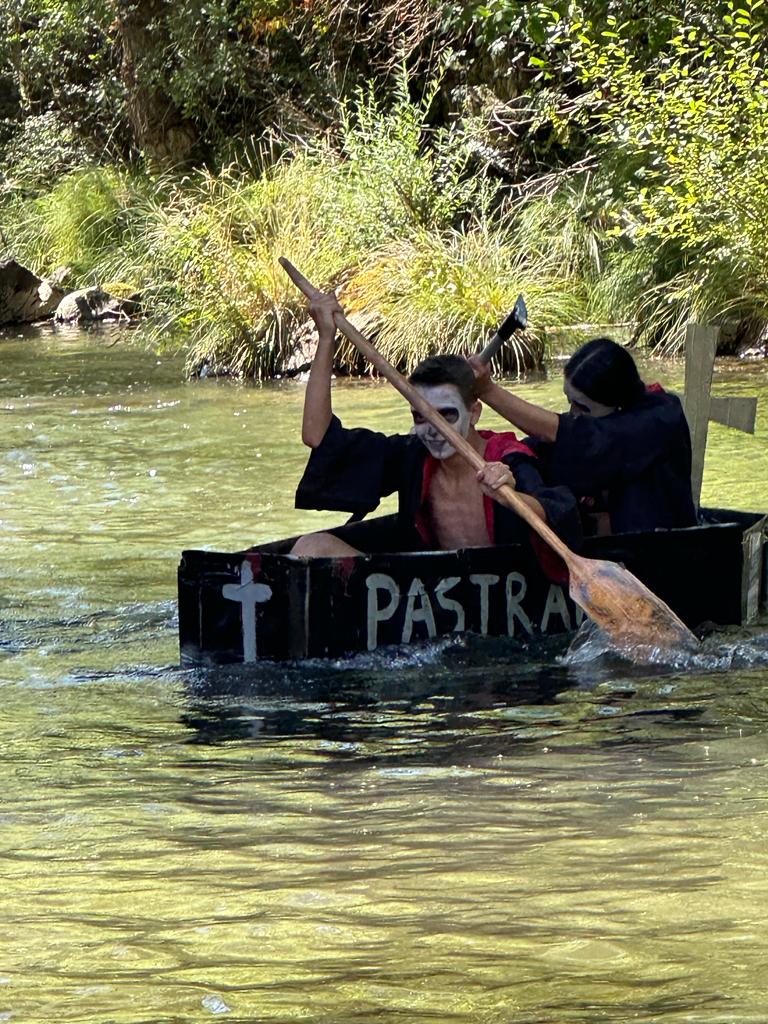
x=444 y=291
x=83 y=218
x=387 y=211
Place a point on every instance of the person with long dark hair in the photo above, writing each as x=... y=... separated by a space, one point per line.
x=623 y=448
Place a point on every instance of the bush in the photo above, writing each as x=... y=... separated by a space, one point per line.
x=682 y=139
x=43 y=149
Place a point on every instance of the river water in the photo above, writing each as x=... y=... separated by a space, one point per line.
x=456 y=833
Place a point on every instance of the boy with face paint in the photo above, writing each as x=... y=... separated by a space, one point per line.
x=443 y=502
x=449 y=403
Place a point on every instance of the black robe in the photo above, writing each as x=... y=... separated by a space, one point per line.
x=351 y=470
x=635 y=463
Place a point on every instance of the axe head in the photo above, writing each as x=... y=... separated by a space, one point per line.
x=516 y=321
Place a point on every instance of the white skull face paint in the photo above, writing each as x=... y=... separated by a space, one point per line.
x=582 y=405
x=449 y=403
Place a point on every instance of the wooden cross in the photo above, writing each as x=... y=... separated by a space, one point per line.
x=701 y=406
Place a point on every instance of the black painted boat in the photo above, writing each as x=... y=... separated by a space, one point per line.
x=265 y=604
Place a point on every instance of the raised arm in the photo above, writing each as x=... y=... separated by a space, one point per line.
x=317 y=400
x=530 y=418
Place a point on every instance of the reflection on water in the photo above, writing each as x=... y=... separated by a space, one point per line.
x=479 y=831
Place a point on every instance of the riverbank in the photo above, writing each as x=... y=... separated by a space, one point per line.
x=612 y=172
x=202 y=253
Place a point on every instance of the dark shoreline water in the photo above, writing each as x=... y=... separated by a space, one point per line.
x=466 y=831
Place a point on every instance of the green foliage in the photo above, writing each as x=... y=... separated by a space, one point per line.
x=493 y=23
x=59 y=57
x=548 y=30
x=405 y=173
x=444 y=291
x=43 y=149
x=216 y=60
x=86 y=216
x=218 y=64
x=682 y=140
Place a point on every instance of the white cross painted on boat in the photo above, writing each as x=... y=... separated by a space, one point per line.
x=249 y=594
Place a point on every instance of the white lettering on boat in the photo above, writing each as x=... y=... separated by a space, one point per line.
x=418 y=613
x=514 y=608
x=484 y=580
x=555 y=605
x=375 y=614
x=417 y=605
x=249 y=594
x=448 y=604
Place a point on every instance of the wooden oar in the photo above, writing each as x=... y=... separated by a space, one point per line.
x=629 y=613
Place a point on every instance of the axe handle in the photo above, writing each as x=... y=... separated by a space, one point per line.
x=491 y=349
x=504 y=333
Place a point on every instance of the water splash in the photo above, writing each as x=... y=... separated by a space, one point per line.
x=722 y=651
x=215 y=1004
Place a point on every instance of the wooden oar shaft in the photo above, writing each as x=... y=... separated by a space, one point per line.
x=505 y=494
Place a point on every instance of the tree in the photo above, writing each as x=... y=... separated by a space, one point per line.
x=161 y=134
x=682 y=137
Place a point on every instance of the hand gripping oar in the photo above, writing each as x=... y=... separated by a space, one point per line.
x=629 y=613
x=516 y=321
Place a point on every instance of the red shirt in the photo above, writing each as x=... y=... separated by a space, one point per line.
x=498 y=445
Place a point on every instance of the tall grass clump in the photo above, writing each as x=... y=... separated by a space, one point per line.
x=624 y=276
x=212 y=249
x=326 y=208
x=444 y=291
x=84 y=219
x=392 y=212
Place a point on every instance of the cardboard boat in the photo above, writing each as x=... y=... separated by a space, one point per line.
x=263 y=603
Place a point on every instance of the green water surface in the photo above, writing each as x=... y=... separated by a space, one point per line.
x=458 y=833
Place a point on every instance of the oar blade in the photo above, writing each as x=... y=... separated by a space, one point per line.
x=625 y=609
